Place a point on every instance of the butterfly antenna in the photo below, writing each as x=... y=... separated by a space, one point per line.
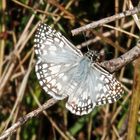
x=85 y=40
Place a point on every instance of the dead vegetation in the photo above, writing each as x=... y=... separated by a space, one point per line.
x=20 y=93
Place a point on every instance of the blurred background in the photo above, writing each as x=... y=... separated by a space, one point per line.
x=20 y=92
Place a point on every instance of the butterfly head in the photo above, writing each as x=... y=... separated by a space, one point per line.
x=92 y=55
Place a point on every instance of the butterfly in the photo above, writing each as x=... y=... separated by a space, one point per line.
x=64 y=71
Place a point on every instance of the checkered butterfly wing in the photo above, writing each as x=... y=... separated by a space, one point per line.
x=56 y=56
x=63 y=72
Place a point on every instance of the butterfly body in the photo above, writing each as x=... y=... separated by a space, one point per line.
x=63 y=71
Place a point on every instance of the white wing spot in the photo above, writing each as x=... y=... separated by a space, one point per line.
x=41 y=83
x=45 y=88
x=64 y=78
x=54 y=69
x=48 y=78
x=43 y=34
x=59 y=86
x=52 y=48
x=61 y=75
x=56 y=39
x=44 y=70
x=53 y=82
x=61 y=44
x=106 y=80
x=102 y=77
x=45 y=65
x=99 y=86
x=104 y=89
x=38 y=75
x=54 y=90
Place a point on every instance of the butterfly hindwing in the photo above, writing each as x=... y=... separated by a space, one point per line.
x=97 y=87
x=108 y=87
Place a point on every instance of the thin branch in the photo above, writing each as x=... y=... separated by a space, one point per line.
x=27 y=117
x=61 y=8
x=135 y=17
x=117 y=63
x=34 y=9
x=107 y=34
x=106 y=20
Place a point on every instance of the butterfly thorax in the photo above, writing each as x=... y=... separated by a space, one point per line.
x=81 y=65
x=92 y=55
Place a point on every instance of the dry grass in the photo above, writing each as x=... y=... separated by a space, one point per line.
x=20 y=92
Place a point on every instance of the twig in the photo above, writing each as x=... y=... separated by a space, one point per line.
x=122 y=31
x=115 y=64
x=109 y=41
x=34 y=9
x=106 y=20
x=61 y=8
x=107 y=34
x=135 y=17
x=27 y=117
x=53 y=123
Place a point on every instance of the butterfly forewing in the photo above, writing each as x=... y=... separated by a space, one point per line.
x=63 y=72
x=55 y=58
